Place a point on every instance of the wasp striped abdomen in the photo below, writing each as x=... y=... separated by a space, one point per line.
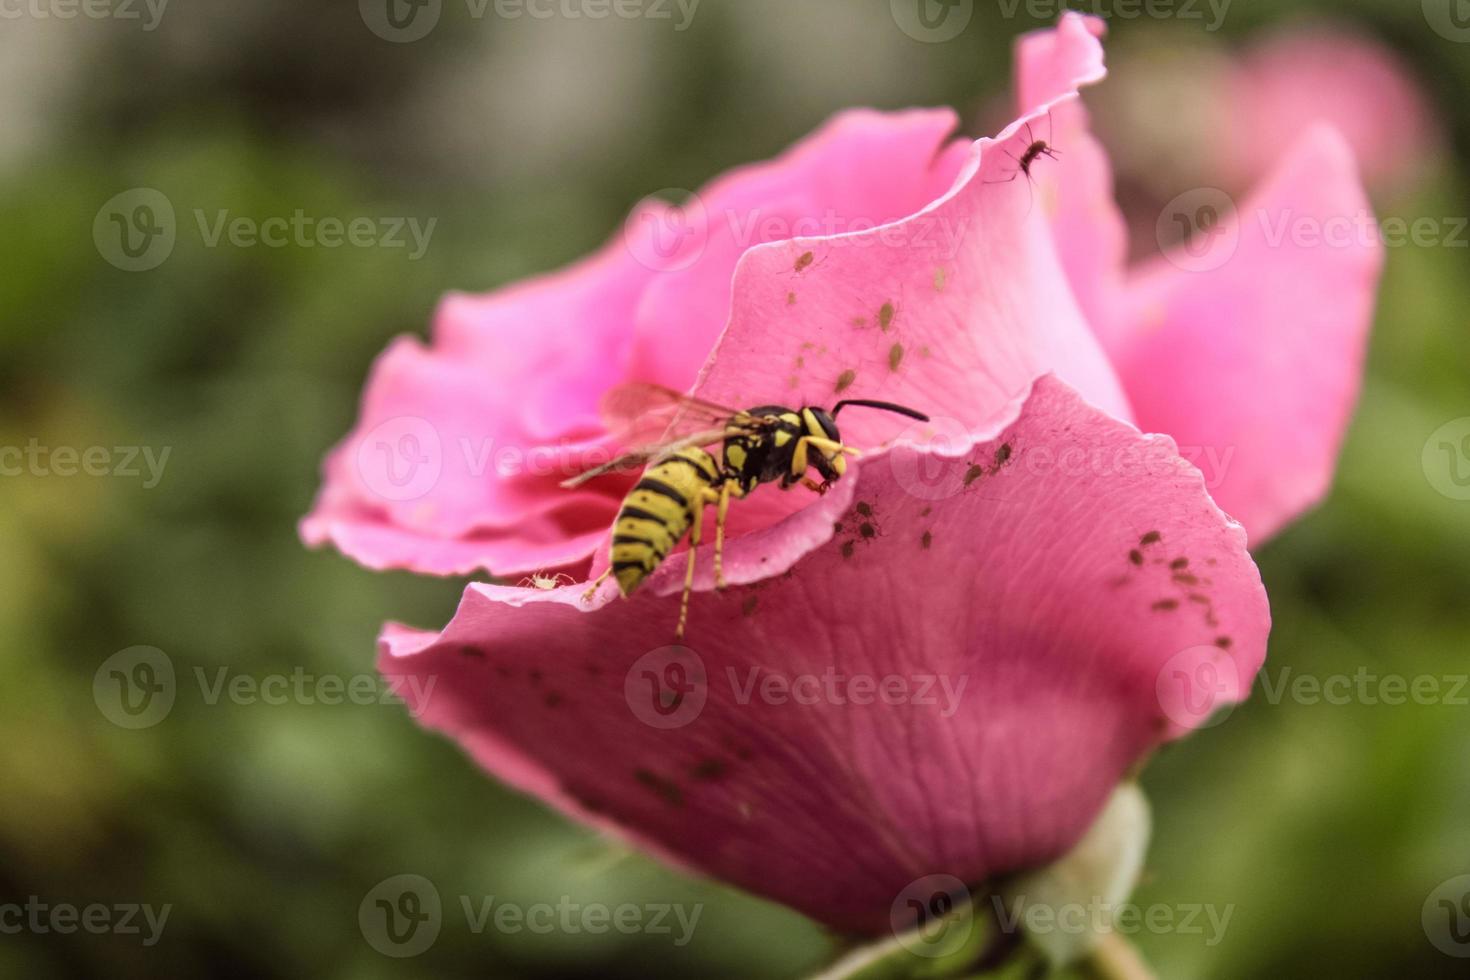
x=657 y=514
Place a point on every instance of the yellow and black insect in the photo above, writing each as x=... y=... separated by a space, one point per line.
x=766 y=444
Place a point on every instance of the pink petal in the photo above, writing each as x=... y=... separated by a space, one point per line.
x=514 y=377
x=437 y=476
x=451 y=466
x=1059 y=569
x=1253 y=360
x=954 y=311
x=1076 y=189
x=861 y=169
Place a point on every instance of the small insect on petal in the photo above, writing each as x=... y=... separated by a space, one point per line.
x=805 y=260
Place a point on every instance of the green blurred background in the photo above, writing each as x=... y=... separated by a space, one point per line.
x=264 y=826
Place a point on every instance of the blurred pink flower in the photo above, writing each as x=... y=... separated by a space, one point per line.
x=1071 y=580
x=1319 y=73
x=1186 y=110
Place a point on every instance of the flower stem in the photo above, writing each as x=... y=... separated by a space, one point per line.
x=1115 y=959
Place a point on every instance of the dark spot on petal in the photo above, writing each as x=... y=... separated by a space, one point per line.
x=867 y=530
x=847 y=549
x=472 y=653
x=553 y=699
x=804 y=261
x=1152 y=537
x=895 y=357
x=926 y=540
x=864 y=508
x=885 y=316
x=1135 y=556
x=975 y=472
x=535 y=675
x=1224 y=642
x=748 y=606
x=845 y=380
x=790 y=299
x=926 y=511
x=1003 y=455
x=709 y=769
x=1203 y=600
x=1184 y=578
x=861 y=322
x=1166 y=605
x=1178 y=564
x=665 y=788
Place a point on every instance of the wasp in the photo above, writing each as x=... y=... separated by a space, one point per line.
x=765 y=444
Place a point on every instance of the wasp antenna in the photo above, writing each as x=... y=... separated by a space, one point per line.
x=881 y=406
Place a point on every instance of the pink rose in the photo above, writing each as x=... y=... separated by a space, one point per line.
x=946 y=664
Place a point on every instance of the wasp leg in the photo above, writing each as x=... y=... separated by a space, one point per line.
x=696 y=531
x=592 y=589
x=722 y=511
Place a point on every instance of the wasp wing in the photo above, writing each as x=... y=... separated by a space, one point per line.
x=642 y=414
x=639 y=457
